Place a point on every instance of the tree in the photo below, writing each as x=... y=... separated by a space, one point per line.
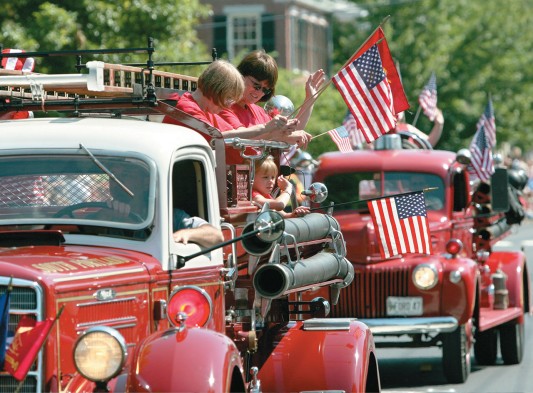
x=36 y=25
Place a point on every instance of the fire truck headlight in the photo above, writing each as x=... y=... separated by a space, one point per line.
x=425 y=276
x=100 y=353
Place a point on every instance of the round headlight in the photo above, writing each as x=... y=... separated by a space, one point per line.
x=191 y=301
x=425 y=276
x=100 y=353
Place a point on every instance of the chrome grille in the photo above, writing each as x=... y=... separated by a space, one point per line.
x=366 y=296
x=26 y=298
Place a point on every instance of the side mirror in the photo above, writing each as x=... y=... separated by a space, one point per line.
x=317 y=192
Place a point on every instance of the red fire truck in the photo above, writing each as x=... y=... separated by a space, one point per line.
x=461 y=296
x=141 y=312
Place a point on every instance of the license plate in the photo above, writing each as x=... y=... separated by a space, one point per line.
x=401 y=306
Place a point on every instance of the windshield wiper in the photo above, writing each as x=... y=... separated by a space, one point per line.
x=107 y=171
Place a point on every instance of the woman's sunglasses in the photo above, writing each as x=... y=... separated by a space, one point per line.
x=258 y=87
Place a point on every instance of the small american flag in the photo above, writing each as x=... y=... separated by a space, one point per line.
x=364 y=87
x=488 y=122
x=482 y=163
x=349 y=123
x=341 y=138
x=428 y=98
x=401 y=224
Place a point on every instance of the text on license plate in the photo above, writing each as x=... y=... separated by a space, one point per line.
x=399 y=306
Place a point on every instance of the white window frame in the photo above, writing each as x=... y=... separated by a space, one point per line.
x=233 y=13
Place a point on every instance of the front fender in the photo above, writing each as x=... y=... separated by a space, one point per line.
x=194 y=360
x=315 y=360
x=459 y=299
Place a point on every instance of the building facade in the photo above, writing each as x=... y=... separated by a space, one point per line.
x=297 y=32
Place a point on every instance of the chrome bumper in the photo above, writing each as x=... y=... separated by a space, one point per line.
x=398 y=326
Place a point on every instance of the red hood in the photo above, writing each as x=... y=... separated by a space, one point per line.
x=358 y=231
x=71 y=264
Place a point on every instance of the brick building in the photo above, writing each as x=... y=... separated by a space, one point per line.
x=298 y=32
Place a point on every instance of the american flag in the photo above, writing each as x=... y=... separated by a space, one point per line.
x=364 y=87
x=349 y=123
x=482 y=165
x=428 y=98
x=401 y=224
x=341 y=138
x=488 y=122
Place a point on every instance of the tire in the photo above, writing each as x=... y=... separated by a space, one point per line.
x=456 y=355
x=512 y=342
x=486 y=347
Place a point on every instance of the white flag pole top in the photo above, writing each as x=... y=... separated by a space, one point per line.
x=93 y=81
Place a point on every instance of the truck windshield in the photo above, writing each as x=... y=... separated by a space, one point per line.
x=64 y=189
x=351 y=190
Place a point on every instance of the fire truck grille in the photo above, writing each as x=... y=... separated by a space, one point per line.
x=366 y=296
x=25 y=299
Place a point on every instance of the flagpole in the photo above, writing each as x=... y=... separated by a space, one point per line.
x=416 y=116
x=315 y=96
x=376 y=198
x=46 y=338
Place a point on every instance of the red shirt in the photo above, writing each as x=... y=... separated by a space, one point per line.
x=188 y=104
x=245 y=116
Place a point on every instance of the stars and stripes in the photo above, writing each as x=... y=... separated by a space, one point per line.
x=482 y=165
x=401 y=224
x=428 y=98
x=364 y=87
x=356 y=138
x=341 y=138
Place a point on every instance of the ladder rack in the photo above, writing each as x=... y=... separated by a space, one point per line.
x=117 y=81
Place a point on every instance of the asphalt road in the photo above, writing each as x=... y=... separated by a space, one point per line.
x=420 y=370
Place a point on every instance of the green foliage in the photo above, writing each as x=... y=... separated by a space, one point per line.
x=36 y=25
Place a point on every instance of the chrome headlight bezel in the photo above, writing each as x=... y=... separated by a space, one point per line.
x=425 y=276
x=100 y=353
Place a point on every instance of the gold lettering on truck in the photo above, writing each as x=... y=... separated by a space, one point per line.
x=77 y=264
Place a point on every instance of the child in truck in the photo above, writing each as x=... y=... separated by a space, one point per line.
x=266 y=177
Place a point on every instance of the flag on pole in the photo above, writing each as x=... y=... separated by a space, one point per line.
x=356 y=138
x=482 y=165
x=488 y=122
x=370 y=85
x=428 y=98
x=29 y=338
x=341 y=138
x=401 y=224
x=4 y=321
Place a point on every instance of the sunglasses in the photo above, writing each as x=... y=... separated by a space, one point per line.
x=258 y=87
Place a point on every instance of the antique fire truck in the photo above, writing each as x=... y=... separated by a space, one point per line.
x=461 y=296
x=140 y=312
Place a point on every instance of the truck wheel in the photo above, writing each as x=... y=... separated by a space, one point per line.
x=456 y=355
x=486 y=347
x=512 y=342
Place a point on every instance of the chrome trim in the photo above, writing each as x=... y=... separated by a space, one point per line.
x=327 y=323
x=395 y=326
